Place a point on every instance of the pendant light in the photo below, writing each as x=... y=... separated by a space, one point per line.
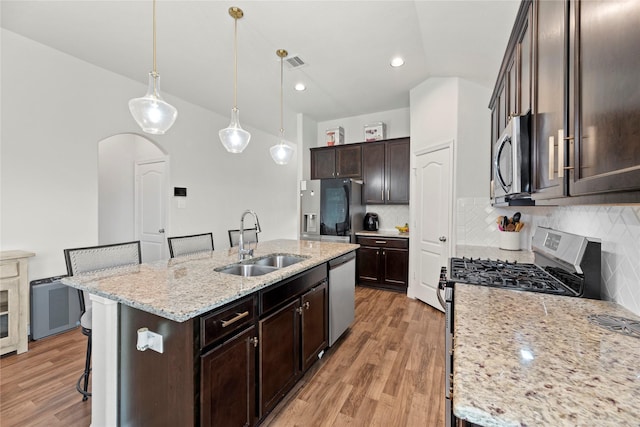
x=234 y=138
x=153 y=115
x=281 y=153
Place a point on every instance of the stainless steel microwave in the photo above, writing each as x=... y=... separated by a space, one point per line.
x=511 y=169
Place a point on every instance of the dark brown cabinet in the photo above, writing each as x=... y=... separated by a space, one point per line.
x=228 y=392
x=383 y=262
x=344 y=161
x=292 y=336
x=385 y=171
x=604 y=111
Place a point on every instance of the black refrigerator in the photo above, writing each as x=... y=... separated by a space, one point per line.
x=331 y=209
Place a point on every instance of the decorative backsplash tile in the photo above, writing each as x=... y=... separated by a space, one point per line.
x=618 y=227
x=390 y=215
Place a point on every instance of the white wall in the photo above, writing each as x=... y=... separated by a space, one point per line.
x=55 y=109
x=396 y=121
x=434 y=113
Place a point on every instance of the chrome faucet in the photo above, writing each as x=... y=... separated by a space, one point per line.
x=242 y=252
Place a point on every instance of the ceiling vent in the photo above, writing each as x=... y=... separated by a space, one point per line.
x=295 y=62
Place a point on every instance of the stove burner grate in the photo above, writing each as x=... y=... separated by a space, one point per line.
x=617 y=324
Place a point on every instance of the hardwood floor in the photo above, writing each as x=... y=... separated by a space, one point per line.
x=38 y=388
x=388 y=370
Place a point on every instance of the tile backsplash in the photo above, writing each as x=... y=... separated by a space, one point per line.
x=390 y=215
x=618 y=227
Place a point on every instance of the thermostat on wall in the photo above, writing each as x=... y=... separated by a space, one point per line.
x=180 y=191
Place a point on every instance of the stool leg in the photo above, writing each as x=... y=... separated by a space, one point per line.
x=87 y=370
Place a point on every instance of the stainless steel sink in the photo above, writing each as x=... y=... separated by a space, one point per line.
x=278 y=261
x=262 y=265
x=247 y=270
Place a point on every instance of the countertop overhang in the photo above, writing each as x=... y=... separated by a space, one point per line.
x=184 y=287
x=524 y=358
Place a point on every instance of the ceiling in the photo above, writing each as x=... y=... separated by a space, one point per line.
x=346 y=47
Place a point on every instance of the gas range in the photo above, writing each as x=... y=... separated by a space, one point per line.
x=564 y=264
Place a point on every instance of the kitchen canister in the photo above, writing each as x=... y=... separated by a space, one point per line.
x=509 y=240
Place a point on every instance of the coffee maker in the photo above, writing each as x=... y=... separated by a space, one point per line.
x=371 y=221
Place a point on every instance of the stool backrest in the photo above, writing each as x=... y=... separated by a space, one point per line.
x=195 y=243
x=250 y=235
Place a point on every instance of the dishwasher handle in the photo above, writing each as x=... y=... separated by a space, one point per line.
x=337 y=262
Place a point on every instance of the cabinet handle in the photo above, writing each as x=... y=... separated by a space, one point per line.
x=237 y=317
x=382 y=195
x=552 y=162
x=384 y=253
x=254 y=341
x=388 y=194
x=299 y=310
x=306 y=305
x=381 y=242
x=560 y=153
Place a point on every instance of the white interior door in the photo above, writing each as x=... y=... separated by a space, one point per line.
x=433 y=225
x=151 y=200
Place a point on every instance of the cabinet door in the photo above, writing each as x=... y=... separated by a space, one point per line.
x=397 y=172
x=511 y=85
x=323 y=163
x=368 y=262
x=396 y=267
x=524 y=66
x=279 y=354
x=315 y=325
x=550 y=100
x=373 y=171
x=606 y=153
x=228 y=392
x=349 y=161
x=9 y=309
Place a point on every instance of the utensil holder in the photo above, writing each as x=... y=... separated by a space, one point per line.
x=510 y=240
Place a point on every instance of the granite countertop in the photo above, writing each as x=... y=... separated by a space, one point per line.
x=471 y=251
x=185 y=287
x=530 y=359
x=383 y=233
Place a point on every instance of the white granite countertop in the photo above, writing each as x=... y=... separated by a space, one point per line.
x=185 y=287
x=485 y=252
x=383 y=233
x=530 y=359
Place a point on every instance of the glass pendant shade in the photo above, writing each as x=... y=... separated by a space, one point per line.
x=152 y=113
x=233 y=137
x=281 y=153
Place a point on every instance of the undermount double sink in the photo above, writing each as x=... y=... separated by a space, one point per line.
x=262 y=265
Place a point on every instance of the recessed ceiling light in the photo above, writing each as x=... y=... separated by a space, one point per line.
x=300 y=86
x=397 y=62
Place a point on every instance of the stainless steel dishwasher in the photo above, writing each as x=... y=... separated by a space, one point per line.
x=342 y=295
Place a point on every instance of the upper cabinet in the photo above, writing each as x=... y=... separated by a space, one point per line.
x=385 y=171
x=574 y=65
x=604 y=126
x=342 y=161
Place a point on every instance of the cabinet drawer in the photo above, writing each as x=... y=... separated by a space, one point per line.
x=8 y=269
x=383 y=242
x=227 y=320
x=277 y=296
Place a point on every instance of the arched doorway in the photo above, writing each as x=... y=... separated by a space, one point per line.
x=130 y=169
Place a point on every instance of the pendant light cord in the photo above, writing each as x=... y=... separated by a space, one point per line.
x=154 y=37
x=281 y=98
x=235 y=63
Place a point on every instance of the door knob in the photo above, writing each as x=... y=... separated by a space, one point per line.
x=442 y=239
x=161 y=230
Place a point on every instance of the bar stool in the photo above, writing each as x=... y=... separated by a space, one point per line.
x=95 y=258
x=185 y=245
x=250 y=235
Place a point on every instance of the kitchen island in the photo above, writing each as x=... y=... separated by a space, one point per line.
x=530 y=359
x=175 y=297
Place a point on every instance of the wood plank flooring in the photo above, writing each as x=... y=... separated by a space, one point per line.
x=388 y=370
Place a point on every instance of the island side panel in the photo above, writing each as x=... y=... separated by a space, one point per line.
x=157 y=388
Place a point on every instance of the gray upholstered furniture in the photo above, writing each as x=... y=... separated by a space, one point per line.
x=184 y=245
x=94 y=258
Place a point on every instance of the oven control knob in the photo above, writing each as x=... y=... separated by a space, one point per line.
x=442 y=239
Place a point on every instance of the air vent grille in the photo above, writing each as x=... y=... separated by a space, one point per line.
x=295 y=62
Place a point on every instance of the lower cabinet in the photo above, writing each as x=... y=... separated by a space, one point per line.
x=229 y=367
x=228 y=382
x=383 y=262
x=291 y=339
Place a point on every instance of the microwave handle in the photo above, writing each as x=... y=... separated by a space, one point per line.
x=496 y=164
